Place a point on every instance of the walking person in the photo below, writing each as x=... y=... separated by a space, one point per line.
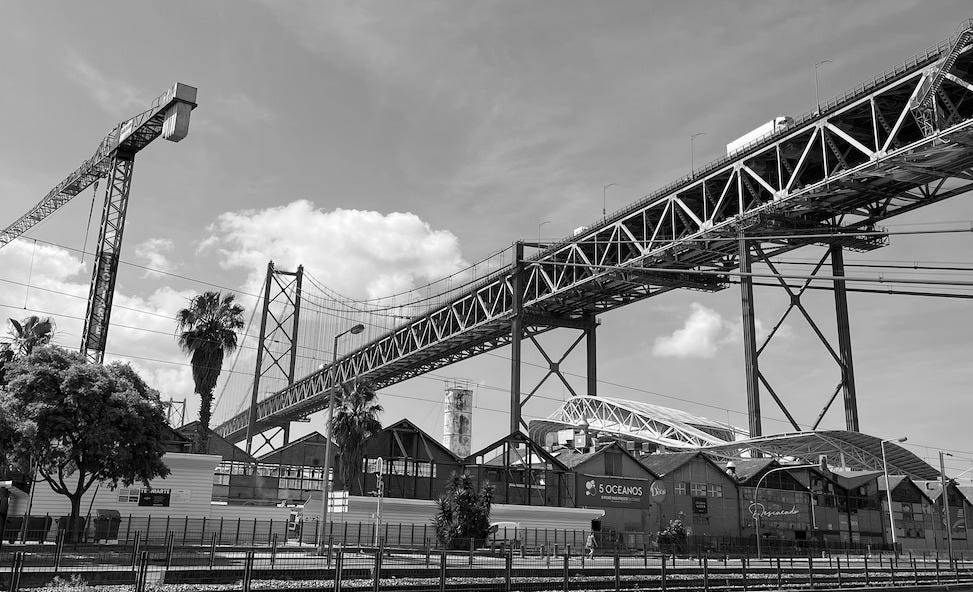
x=590 y=544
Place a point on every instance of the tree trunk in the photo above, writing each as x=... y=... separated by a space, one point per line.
x=74 y=530
x=201 y=446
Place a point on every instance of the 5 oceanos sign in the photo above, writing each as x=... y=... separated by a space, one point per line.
x=595 y=490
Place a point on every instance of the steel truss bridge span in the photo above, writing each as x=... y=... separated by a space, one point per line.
x=900 y=142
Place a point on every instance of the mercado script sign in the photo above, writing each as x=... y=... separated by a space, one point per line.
x=773 y=511
x=615 y=492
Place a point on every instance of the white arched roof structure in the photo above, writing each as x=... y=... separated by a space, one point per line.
x=634 y=420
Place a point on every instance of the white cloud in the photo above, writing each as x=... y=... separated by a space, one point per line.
x=705 y=332
x=142 y=327
x=357 y=253
x=699 y=337
x=112 y=95
x=155 y=252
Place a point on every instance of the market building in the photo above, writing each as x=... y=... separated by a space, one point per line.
x=694 y=489
x=782 y=503
x=609 y=477
x=917 y=522
x=847 y=506
x=959 y=513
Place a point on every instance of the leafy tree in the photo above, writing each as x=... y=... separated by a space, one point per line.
x=208 y=332
x=83 y=423
x=462 y=513
x=355 y=420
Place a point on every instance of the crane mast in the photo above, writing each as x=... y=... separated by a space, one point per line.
x=167 y=116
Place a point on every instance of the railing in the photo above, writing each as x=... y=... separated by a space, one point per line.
x=381 y=565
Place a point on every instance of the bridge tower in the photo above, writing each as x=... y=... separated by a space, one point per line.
x=277 y=344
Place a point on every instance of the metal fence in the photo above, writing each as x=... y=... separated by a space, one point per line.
x=390 y=567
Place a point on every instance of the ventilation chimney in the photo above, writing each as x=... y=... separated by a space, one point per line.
x=458 y=420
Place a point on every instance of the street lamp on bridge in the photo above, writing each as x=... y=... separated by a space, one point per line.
x=325 y=483
x=817 y=97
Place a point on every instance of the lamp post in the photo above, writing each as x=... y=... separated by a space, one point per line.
x=380 y=492
x=888 y=490
x=325 y=482
x=692 y=151
x=604 y=199
x=755 y=506
x=817 y=98
x=947 y=520
x=539 y=226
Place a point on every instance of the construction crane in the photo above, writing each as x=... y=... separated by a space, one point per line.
x=167 y=116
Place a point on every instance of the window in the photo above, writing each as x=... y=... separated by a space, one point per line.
x=715 y=490
x=613 y=464
x=681 y=488
x=128 y=496
x=698 y=489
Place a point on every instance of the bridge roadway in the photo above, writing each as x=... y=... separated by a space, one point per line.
x=901 y=141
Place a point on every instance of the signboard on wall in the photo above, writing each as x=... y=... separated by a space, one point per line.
x=612 y=492
x=700 y=505
x=155 y=498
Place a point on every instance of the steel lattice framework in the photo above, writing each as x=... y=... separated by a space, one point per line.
x=167 y=116
x=835 y=174
x=852 y=450
x=665 y=427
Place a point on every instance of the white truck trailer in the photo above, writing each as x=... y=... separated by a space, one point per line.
x=774 y=125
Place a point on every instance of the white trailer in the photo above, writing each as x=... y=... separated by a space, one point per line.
x=774 y=125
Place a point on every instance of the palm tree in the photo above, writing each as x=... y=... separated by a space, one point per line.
x=354 y=422
x=208 y=331
x=29 y=333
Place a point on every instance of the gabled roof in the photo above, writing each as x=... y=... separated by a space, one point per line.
x=896 y=480
x=572 y=457
x=314 y=438
x=853 y=479
x=218 y=444
x=748 y=468
x=516 y=438
x=934 y=489
x=406 y=425
x=967 y=492
x=665 y=463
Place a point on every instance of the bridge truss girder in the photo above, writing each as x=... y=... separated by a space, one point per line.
x=864 y=158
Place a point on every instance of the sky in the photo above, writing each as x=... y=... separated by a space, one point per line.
x=385 y=144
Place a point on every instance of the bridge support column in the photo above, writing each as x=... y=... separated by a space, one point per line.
x=591 y=324
x=750 y=353
x=844 y=340
x=841 y=354
x=516 y=336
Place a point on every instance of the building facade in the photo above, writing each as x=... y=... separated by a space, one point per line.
x=612 y=479
x=693 y=489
